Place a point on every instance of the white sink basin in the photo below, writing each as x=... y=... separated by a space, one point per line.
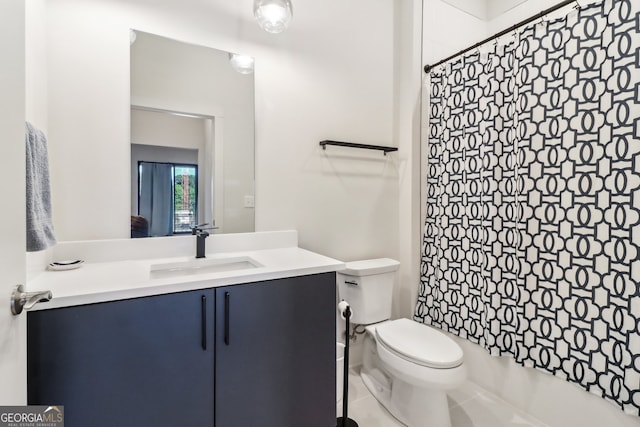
x=201 y=266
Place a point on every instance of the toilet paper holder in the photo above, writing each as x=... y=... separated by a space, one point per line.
x=344 y=421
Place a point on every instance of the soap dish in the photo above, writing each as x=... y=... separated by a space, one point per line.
x=65 y=265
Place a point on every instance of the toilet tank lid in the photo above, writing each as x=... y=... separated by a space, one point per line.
x=370 y=266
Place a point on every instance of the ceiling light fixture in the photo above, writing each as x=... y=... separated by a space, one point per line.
x=241 y=63
x=273 y=16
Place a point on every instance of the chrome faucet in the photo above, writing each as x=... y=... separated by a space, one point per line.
x=201 y=235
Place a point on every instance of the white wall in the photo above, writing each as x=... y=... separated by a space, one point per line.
x=330 y=76
x=88 y=122
x=477 y=8
x=485 y=9
x=496 y=8
x=167 y=130
x=552 y=400
x=335 y=65
x=407 y=124
x=407 y=104
x=36 y=64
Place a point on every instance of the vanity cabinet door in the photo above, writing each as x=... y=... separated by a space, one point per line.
x=275 y=353
x=139 y=362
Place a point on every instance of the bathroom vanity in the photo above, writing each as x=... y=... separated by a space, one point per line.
x=216 y=349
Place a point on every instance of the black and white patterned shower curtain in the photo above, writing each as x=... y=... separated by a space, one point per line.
x=531 y=243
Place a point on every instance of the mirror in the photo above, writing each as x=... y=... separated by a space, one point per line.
x=192 y=139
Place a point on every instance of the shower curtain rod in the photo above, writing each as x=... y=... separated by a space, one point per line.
x=540 y=15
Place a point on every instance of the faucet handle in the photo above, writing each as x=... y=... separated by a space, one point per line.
x=200 y=227
x=196 y=228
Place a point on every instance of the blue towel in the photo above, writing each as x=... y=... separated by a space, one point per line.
x=39 y=224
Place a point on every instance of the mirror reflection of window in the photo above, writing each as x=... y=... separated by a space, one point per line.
x=185 y=200
x=167 y=199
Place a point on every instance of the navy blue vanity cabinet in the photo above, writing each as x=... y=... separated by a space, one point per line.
x=275 y=353
x=248 y=355
x=132 y=363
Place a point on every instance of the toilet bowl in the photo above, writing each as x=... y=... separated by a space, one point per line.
x=407 y=366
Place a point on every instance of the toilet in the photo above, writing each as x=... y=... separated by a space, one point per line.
x=407 y=366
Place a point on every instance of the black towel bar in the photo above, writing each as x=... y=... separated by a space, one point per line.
x=355 y=145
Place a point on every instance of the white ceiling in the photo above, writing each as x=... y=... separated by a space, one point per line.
x=484 y=9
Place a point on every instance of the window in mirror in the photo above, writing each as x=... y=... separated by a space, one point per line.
x=185 y=200
x=167 y=199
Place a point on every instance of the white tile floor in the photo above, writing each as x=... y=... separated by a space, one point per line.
x=470 y=406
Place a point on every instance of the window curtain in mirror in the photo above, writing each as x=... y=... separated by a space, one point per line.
x=531 y=244
x=156 y=197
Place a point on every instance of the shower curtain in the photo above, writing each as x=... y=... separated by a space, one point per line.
x=156 y=197
x=531 y=244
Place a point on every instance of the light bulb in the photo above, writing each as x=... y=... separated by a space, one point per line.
x=241 y=63
x=273 y=16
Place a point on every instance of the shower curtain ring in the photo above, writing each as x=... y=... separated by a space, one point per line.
x=543 y=20
x=543 y=16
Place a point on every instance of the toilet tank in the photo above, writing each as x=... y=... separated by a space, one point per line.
x=368 y=288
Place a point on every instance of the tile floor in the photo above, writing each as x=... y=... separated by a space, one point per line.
x=470 y=406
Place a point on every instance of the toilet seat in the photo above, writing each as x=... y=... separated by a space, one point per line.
x=419 y=344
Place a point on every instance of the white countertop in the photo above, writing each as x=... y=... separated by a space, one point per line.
x=123 y=279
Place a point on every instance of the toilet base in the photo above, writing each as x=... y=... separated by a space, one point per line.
x=411 y=405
